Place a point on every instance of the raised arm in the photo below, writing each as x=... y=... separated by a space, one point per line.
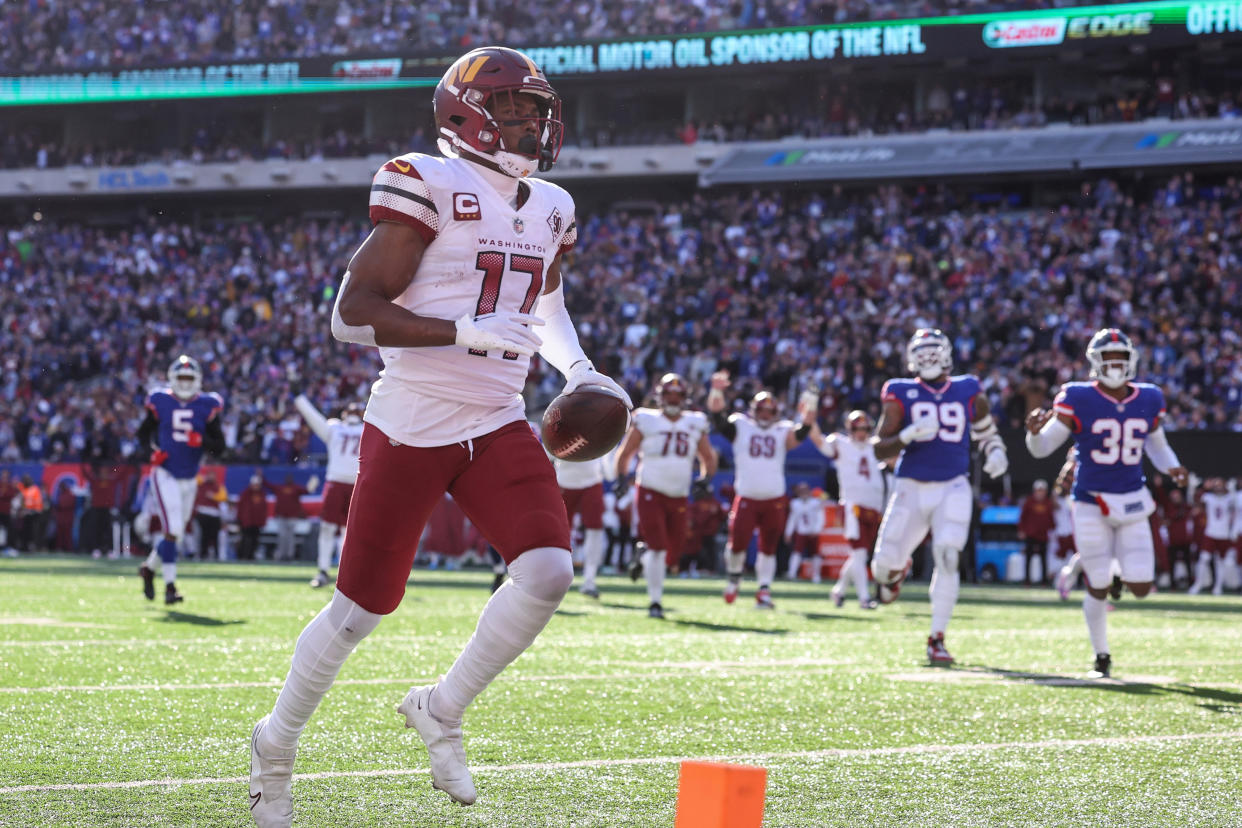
x=317 y=422
x=707 y=457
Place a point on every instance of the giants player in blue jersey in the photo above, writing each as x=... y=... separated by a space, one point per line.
x=927 y=424
x=181 y=424
x=1113 y=420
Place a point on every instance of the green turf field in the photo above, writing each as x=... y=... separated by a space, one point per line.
x=117 y=712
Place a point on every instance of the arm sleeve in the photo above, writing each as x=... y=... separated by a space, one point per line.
x=147 y=429
x=213 y=437
x=317 y=422
x=722 y=424
x=560 y=345
x=1048 y=439
x=801 y=432
x=1161 y=453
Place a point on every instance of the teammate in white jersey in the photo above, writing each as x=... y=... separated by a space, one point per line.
x=760 y=442
x=341 y=436
x=1217 y=537
x=667 y=441
x=861 y=481
x=464 y=258
x=802 y=530
x=582 y=488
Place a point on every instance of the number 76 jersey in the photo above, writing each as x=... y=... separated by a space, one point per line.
x=946 y=454
x=1110 y=435
x=668 y=448
x=482 y=256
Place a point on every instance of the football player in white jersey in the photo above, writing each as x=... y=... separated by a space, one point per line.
x=861 y=482
x=341 y=436
x=1217 y=538
x=667 y=441
x=802 y=530
x=582 y=488
x=760 y=441
x=464 y=258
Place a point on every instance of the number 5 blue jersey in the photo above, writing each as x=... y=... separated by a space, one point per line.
x=1110 y=435
x=177 y=419
x=946 y=454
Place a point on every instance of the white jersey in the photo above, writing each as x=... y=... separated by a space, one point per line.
x=668 y=448
x=1063 y=516
x=482 y=256
x=584 y=475
x=858 y=471
x=343 y=440
x=806 y=516
x=759 y=457
x=1216 y=509
x=1237 y=514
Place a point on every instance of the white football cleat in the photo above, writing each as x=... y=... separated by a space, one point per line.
x=443 y=739
x=271 y=783
x=1063 y=584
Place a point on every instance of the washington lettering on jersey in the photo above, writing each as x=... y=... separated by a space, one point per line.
x=946 y=454
x=492 y=258
x=1109 y=435
x=759 y=457
x=668 y=449
x=177 y=419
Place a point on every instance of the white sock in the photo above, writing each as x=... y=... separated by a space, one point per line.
x=765 y=570
x=321 y=650
x=943 y=591
x=735 y=562
x=795 y=564
x=1071 y=569
x=592 y=556
x=116 y=538
x=847 y=571
x=859 y=567
x=1202 y=570
x=153 y=560
x=170 y=573
x=515 y=615
x=1096 y=615
x=653 y=570
x=327 y=545
x=1218 y=574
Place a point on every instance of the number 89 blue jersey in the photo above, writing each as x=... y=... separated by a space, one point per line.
x=946 y=454
x=1110 y=435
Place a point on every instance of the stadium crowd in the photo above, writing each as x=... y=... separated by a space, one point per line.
x=51 y=35
x=783 y=289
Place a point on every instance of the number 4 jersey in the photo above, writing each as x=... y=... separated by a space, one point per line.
x=946 y=454
x=1110 y=434
x=481 y=256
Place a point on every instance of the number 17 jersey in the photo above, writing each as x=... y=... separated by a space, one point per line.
x=482 y=256
x=946 y=454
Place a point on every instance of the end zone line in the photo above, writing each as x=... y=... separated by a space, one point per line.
x=829 y=753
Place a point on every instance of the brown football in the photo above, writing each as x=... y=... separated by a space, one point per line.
x=585 y=424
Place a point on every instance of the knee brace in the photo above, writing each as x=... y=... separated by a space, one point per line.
x=946 y=558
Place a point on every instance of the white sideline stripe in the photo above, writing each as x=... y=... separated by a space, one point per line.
x=829 y=753
x=733 y=669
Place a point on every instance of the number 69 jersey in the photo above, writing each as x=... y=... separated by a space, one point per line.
x=668 y=448
x=181 y=424
x=759 y=457
x=946 y=454
x=482 y=256
x=1110 y=435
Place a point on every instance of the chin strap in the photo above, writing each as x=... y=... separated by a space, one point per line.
x=560 y=347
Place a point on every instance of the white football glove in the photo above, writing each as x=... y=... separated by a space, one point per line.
x=584 y=373
x=996 y=463
x=499 y=332
x=919 y=431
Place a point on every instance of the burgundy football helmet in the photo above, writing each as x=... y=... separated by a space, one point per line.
x=352 y=412
x=764 y=408
x=672 y=393
x=465 y=99
x=857 y=419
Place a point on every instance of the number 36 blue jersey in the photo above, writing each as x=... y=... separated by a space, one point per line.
x=177 y=419
x=946 y=454
x=1110 y=434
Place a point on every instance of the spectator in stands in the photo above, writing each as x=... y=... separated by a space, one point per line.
x=10 y=498
x=64 y=508
x=707 y=516
x=1035 y=523
x=104 y=483
x=32 y=515
x=207 y=505
x=251 y=517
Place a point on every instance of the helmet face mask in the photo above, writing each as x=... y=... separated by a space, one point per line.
x=488 y=92
x=185 y=377
x=929 y=354
x=352 y=413
x=672 y=394
x=763 y=409
x=1113 y=358
x=858 y=424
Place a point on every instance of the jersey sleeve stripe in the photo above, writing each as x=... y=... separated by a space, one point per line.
x=570 y=238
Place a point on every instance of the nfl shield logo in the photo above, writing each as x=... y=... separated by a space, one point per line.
x=519 y=226
x=555 y=222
